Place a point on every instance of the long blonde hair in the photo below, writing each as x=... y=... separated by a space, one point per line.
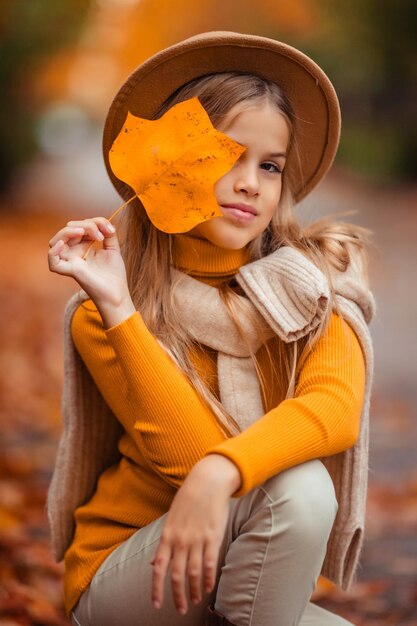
x=147 y=251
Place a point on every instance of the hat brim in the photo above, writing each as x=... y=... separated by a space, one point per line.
x=309 y=90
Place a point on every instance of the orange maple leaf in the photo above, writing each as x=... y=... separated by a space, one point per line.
x=173 y=163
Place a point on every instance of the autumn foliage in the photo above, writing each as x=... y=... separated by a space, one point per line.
x=31 y=308
x=364 y=47
x=30 y=381
x=182 y=156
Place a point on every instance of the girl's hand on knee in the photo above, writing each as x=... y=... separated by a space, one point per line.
x=193 y=532
x=102 y=273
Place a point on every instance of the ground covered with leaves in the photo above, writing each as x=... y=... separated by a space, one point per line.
x=31 y=306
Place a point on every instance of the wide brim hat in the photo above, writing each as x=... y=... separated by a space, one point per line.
x=312 y=96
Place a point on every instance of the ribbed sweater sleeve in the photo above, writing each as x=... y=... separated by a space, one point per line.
x=151 y=397
x=173 y=428
x=322 y=419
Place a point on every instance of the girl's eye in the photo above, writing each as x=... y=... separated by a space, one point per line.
x=268 y=166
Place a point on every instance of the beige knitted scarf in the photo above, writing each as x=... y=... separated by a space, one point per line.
x=286 y=295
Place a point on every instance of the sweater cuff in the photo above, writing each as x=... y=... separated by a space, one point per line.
x=120 y=326
x=125 y=335
x=248 y=478
x=132 y=339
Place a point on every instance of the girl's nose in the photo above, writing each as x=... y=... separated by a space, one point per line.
x=246 y=180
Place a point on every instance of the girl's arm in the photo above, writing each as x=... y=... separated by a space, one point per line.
x=322 y=419
x=178 y=429
x=151 y=397
x=193 y=532
x=173 y=437
x=102 y=273
x=147 y=392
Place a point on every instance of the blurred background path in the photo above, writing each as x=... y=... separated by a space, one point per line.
x=58 y=90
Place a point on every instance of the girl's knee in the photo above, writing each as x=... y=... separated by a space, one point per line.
x=304 y=494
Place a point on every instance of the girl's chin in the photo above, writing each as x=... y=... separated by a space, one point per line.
x=222 y=235
x=229 y=243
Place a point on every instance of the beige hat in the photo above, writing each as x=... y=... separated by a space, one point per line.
x=310 y=92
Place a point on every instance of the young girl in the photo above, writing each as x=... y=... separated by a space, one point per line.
x=213 y=460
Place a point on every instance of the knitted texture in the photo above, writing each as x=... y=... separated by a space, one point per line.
x=88 y=443
x=290 y=294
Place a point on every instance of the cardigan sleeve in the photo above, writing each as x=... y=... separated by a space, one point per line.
x=322 y=419
x=157 y=406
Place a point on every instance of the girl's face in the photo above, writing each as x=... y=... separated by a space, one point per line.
x=248 y=195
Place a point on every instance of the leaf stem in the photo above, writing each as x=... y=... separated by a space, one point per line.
x=112 y=216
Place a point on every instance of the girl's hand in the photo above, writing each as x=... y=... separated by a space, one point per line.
x=102 y=274
x=194 y=531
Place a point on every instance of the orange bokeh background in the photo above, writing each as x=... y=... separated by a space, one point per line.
x=57 y=87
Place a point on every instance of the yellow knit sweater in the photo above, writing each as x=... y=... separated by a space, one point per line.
x=168 y=428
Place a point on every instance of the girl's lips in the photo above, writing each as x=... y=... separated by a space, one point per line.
x=242 y=212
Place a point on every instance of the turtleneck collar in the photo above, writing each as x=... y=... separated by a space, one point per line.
x=205 y=261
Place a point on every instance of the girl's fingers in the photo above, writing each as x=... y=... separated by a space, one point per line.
x=99 y=228
x=56 y=261
x=178 y=570
x=160 y=564
x=54 y=251
x=178 y=558
x=95 y=229
x=101 y=223
x=211 y=555
x=194 y=573
x=66 y=233
x=111 y=242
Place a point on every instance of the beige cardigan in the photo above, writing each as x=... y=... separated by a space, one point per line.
x=291 y=296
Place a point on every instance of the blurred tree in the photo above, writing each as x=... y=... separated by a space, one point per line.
x=29 y=30
x=120 y=34
x=369 y=47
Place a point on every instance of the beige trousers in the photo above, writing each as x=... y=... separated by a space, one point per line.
x=270 y=560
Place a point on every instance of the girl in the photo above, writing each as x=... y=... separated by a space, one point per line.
x=225 y=362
